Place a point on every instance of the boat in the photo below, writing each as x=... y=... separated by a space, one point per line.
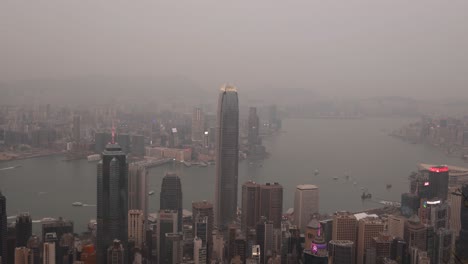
x=365 y=195
x=316 y=172
x=389 y=186
x=187 y=164
x=77 y=204
x=151 y=192
x=335 y=178
x=94 y=157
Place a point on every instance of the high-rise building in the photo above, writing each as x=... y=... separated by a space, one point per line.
x=171 y=196
x=271 y=203
x=34 y=244
x=409 y=204
x=344 y=227
x=203 y=210
x=341 y=252
x=23 y=229
x=136 y=227
x=250 y=205
x=23 y=256
x=318 y=253
x=254 y=126
x=415 y=233
x=116 y=253
x=368 y=228
x=443 y=246
x=66 y=248
x=312 y=230
x=455 y=202
x=306 y=204
x=167 y=224
x=48 y=253
x=199 y=251
x=101 y=139
x=138 y=189
x=198 y=124
x=396 y=225
x=124 y=142
x=383 y=246
x=112 y=200
x=462 y=242
x=438 y=179
x=265 y=239
x=138 y=145
x=76 y=128
x=3 y=227
x=59 y=226
x=227 y=156
x=11 y=243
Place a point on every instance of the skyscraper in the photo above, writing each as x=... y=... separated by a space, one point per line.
x=23 y=255
x=199 y=251
x=59 y=227
x=341 y=252
x=198 y=124
x=167 y=224
x=271 y=203
x=48 y=254
x=438 y=178
x=112 y=199
x=368 y=228
x=135 y=227
x=227 y=156
x=204 y=210
x=23 y=229
x=306 y=203
x=34 y=244
x=3 y=227
x=138 y=189
x=254 y=126
x=171 y=196
x=250 y=205
x=115 y=253
x=462 y=242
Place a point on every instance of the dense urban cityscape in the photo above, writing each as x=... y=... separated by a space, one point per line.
x=428 y=224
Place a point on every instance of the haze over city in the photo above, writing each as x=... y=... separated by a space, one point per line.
x=233 y=132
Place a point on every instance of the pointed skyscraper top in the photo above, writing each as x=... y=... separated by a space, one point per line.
x=228 y=88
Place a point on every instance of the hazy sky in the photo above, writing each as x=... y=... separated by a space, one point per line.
x=346 y=48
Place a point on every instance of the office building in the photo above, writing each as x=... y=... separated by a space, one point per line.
x=101 y=139
x=265 y=239
x=443 y=246
x=383 y=246
x=438 y=179
x=174 y=247
x=306 y=204
x=76 y=128
x=124 y=142
x=199 y=251
x=250 y=205
x=227 y=156
x=204 y=210
x=462 y=241
x=415 y=233
x=318 y=253
x=136 y=227
x=11 y=243
x=65 y=248
x=326 y=227
x=34 y=244
x=201 y=229
x=396 y=225
x=368 y=228
x=3 y=227
x=138 y=189
x=455 y=202
x=312 y=230
x=23 y=256
x=58 y=226
x=271 y=203
x=167 y=224
x=218 y=246
x=171 y=196
x=48 y=253
x=198 y=124
x=399 y=251
x=23 y=229
x=116 y=253
x=341 y=252
x=112 y=200
x=409 y=204
x=344 y=227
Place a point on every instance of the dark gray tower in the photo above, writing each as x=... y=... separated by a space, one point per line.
x=112 y=199
x=23 y=229
x=227 y=156
x=171 y=196
x=3 y=228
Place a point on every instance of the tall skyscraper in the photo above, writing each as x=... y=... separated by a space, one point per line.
x=76 y=128
x=368 y=228
x=250 y=205
x=204 y=210
x=271 y=203
x=48 y=253
x=198 y=124
x=136 y=227
x=23 y=229
x=112 y=199
x=171 y=196
x=462 y=242
x=306 y=204
x=199 y=251
x=443 y=247
x=3 y=227
x=138 y=189
x=167 y=224
x=415 y=233
x=254 y=126
x=437 y=181
x=227 y=156
x=34 y=244
x=265 y=239
x=341 y=252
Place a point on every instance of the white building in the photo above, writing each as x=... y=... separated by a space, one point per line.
x=135 y=227
x=306 y=203
x=48 y=254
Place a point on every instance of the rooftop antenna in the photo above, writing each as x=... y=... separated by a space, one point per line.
x=113 y=132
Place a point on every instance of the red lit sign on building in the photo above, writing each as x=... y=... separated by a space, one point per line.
x=439 y=169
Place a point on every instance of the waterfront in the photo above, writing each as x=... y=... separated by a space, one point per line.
x=47 y=186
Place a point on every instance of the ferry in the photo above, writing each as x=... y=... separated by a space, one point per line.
x=316 y=172
x=366 y=195
x=77 y=204
x=94 y=157
x=335 y=178
x=150 y=192
x=389 y=186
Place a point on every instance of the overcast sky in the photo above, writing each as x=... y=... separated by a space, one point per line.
x=345 y=48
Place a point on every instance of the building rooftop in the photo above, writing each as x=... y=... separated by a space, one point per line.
x=453 y=170
x=228 y=88
x=306 y=187
x=360 y=216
